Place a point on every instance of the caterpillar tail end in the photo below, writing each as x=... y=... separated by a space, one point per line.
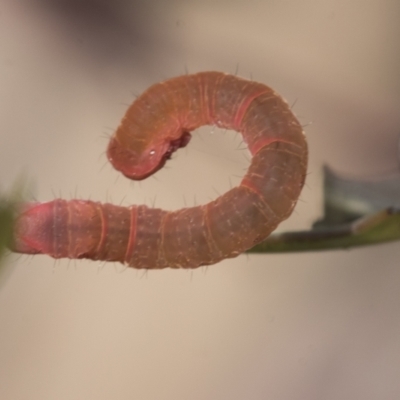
x=33 y=228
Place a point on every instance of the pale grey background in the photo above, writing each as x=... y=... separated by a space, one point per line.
x=309 y=326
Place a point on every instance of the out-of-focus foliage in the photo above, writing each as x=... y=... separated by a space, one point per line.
x=8 y=210
x=356 y=213
x=6 y=224
x=380 y=227
x=347 y=199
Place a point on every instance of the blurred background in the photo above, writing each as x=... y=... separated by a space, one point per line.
x=301 y=326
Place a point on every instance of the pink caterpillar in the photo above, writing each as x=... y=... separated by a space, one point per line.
x=154 y=126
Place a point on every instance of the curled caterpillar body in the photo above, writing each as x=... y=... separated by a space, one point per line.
x=155 y=125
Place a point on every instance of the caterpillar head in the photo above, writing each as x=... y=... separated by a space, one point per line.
x=138 y=165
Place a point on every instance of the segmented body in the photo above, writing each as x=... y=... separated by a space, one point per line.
x=154 y=126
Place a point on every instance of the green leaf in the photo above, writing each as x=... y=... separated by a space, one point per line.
x=357 y=212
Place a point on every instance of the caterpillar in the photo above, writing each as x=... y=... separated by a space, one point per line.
x=158 y=123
